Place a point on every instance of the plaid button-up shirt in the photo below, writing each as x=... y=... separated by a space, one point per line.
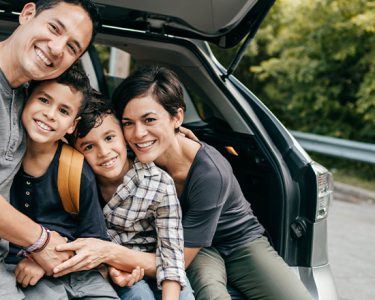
x=144 y=214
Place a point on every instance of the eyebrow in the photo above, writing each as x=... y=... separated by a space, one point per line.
x=64 y=28
x=91 y=142
x=143 y=116
x=45 y=94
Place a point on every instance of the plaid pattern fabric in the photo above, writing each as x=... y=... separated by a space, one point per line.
x=144 y=214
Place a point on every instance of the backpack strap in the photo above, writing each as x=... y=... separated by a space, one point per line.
x=69 y=178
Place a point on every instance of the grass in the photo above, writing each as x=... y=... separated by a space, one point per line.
x=355 y=181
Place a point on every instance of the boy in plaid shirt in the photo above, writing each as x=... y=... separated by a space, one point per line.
x=141 y=209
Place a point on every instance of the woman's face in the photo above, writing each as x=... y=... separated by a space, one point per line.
x=148 y=128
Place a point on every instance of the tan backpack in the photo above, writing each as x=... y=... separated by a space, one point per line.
x=69 y=178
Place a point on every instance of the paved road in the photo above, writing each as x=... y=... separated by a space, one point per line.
x=351 y=249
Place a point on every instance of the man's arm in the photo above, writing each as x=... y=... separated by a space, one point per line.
x=21 y=230
x=16 y=227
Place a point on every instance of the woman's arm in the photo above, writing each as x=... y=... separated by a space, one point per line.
x=122 y=278
x=91 y=252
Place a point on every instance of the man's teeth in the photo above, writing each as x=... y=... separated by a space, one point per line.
x=43 y=126
x=109 y=163
x=144 y=145
x=40 y=54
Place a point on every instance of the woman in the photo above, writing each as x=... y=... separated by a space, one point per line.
x=224 y=241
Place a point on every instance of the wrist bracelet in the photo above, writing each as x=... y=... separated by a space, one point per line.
x=39 y=245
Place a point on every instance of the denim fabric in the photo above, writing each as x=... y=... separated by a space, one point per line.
x=147 y=290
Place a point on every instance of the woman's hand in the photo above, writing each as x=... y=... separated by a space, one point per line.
x=90 y=253
x=122 y=278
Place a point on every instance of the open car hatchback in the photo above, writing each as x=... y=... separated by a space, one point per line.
x=289 y=192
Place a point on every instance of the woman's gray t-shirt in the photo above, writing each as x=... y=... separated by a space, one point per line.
x=215 y=211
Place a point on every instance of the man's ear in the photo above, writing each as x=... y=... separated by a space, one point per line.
x=73 y=127
x=28 y=12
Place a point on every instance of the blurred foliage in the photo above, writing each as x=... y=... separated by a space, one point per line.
x=313 y=63
x=104 y=53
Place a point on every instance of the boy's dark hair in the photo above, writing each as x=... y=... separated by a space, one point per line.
x=75 y=78
x=160 y=82
x=87 y=5
x=96 y=109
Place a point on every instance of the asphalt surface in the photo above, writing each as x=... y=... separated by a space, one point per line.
x=351 y=242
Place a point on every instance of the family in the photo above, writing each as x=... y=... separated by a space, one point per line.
x=167 y=221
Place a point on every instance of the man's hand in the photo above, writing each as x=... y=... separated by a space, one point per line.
x=122 y=278
x=90 y=253
x=49 y=258
x=28 y=272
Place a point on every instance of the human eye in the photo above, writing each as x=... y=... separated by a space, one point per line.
x=64 y=111
x=126 y=123
x=149 y=120
x=88 y=147
x=72 y=49
x=53 y=28
x=43 y=100
x=109 y=138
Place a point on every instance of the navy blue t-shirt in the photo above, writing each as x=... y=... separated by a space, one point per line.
x=214 y=209
x=39 y=199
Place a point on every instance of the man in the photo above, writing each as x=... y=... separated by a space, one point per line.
x=51 y=36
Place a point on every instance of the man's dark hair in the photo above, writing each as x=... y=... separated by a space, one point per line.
x=159 y=82
x=97 y=108
x=87 y=5
x=75 y=78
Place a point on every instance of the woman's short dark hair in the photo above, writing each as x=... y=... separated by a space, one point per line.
x=160 y=82
x=87 y=6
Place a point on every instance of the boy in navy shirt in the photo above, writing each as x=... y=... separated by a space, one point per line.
x=52 y=111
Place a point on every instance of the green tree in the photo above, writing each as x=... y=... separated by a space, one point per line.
x=321 y=65
x=313 y=63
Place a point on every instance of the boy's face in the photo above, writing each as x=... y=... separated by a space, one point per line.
x=50 y=112
x=104 y=149
x=49 y=43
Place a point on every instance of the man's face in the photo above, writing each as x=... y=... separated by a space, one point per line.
x=49 y=43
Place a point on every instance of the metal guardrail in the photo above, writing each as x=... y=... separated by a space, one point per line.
x=336 y=147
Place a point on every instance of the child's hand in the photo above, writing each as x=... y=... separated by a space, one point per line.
x=28 y=272
x=122 y=278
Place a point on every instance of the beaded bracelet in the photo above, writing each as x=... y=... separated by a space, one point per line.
x=39 y=245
